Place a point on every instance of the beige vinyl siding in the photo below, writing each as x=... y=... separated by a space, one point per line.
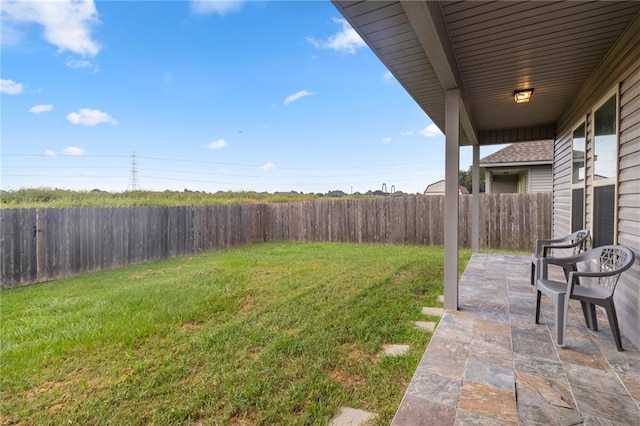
x=562 y=185
x=628 y=292
x=540 y=179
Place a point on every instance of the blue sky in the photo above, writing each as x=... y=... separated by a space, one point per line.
x=260 y=95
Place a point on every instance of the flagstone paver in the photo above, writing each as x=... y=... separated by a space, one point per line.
x=436 y=312
x=489 y=363
x=425 y=325
x=394 y=350
x=351 y=417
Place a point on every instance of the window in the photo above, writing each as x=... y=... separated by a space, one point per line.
x=605 y=171
x=577 y=178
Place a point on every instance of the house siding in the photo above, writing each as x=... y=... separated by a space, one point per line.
x=540 y=179
x=562 y=185
x=621 y=69
x=627 y=297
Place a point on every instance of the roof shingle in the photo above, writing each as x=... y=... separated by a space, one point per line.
x=525 y=152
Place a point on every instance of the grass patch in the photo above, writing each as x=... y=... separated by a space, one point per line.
x=263 y=334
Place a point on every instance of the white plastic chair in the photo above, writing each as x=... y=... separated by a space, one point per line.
x=592 y=279
x=576 y=241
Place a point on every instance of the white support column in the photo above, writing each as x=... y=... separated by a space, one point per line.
x=475 y=199
x=451 y=190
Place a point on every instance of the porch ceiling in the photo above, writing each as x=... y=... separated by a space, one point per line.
x=488 y=50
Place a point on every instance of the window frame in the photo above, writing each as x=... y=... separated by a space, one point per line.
x=583 y=183
x=596 y=183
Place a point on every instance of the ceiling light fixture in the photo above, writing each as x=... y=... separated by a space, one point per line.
x=522 y=96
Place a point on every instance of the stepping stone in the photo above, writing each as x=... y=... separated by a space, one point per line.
x=394 y=350
x=432 y=311
x=351 y=417
x=425 y=325
x=441 y=298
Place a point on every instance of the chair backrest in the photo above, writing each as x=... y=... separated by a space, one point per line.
x=580 y=237
x=612 y=260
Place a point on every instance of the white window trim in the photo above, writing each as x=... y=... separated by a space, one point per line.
x=582 y=184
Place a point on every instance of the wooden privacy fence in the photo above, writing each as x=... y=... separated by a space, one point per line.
x=44 y=244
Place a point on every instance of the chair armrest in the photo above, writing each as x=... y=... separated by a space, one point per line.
x=545 y=242
x=559 y=246
x=567 y=263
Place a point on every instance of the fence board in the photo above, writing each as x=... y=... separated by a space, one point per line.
x=45 y=244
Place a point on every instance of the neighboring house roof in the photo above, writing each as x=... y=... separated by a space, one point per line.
x=438 y=188
x=539 y=152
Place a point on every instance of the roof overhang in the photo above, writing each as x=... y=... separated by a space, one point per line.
x=489 y=49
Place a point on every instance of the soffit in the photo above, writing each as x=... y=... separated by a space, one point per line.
x=498 y=47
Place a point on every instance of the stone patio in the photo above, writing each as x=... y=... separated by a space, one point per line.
x=489 y=363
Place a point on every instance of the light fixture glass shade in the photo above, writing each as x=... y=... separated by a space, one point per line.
x=522 y=96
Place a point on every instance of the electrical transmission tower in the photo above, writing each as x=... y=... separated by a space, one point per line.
x=134 y=185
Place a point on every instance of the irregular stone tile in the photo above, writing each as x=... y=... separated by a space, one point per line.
x=425 y=325
x=467 y=418
x=351 y=417
x=436 y=312
x=617 y=408
x=534 y=348
x=457 y=327
x=532 y=332
x=394 y=350
x=572 y=356
x=417 y=411
x=444 y=347
x=491 y=355
x=502 y=316
x=632 y=384
x=490 y=375
x=551 y=369
x=599 y=380
x=540 y=390
x=538 y=406
x=482 y=325
x=488 y=401
x=436 y=388
x=597 y=421
x=450 y=367
x=627 y=363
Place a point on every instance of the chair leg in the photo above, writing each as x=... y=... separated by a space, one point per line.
x=589 y=312
x=538 y=297
x=613 y=322
x=561 y=317
x=533 y=273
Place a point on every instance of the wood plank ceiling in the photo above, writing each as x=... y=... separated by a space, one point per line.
x=498 y=47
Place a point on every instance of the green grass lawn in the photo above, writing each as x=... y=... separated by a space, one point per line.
x=262 y=334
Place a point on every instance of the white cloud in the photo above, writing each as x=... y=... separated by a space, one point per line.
x=90 y=117
x=67 y=23
x=385 y=140
x=298 y=95
x=75 y=64
x=73 y=150
x=268 y=166
x=430 y=131
x=407 y=133
x=49 y=153
x=347 y=40
x=219 y=7
x=39 y=109
x=167 y=77
x=388 y=77
x=10 y=87
x=217 y=144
